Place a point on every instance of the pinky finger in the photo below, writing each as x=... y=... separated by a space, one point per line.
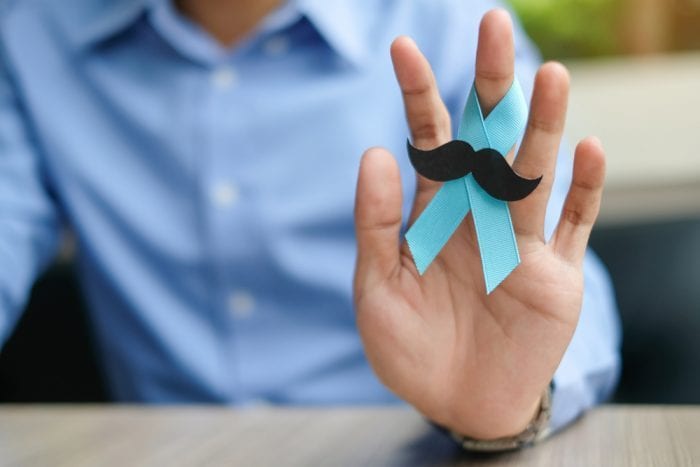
x=582 y=203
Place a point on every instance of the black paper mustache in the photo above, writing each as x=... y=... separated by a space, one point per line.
x=457 y=158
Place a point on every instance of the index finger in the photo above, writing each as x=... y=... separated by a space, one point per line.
x=427 y=116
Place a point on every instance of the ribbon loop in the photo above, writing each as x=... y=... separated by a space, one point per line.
x=498 y=247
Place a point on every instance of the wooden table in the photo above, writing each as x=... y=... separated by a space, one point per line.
x=171 y=436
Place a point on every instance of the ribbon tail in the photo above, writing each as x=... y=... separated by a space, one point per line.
x=437 y=223
x=498 y=246
x=494 y=230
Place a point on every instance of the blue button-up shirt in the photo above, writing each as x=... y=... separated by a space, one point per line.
x=211 y=190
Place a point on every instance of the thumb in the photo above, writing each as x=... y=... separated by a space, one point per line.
x=377 y=218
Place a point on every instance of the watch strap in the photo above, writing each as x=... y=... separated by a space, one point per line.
x=536 y=430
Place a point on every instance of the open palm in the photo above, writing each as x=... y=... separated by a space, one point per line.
x=473 y=362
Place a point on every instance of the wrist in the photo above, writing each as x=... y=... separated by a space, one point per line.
x=494 y=420
x=536 y=430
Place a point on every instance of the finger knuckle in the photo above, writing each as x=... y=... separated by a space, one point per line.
x=587 y=185
x=544 y=126
x=576 y=217
x=430 y=129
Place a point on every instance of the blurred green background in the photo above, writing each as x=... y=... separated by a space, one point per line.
x=592 y=28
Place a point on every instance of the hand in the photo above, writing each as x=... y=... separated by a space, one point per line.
x=475 y=363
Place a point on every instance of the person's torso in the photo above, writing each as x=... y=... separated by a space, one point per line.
x=212 y=198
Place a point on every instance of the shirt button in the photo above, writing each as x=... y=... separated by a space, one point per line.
x=241 y=304
x=276 y=46
x=224 y=77
x=224 y=194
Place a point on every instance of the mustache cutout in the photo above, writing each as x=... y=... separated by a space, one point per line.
x=457 y=159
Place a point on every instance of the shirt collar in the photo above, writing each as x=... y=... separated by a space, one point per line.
x=88 y=22
x=343 y=24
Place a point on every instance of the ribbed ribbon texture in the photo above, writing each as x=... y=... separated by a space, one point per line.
x=494 y=228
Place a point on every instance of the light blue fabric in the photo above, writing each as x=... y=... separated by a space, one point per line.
x=211 y=190
x=436 y=224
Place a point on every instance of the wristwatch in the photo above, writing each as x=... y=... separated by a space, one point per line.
x=536 y=430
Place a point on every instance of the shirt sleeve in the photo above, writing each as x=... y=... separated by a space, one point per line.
x=28 y=217
x=589 y=370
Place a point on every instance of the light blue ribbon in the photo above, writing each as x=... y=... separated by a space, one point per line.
x=494 y=228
